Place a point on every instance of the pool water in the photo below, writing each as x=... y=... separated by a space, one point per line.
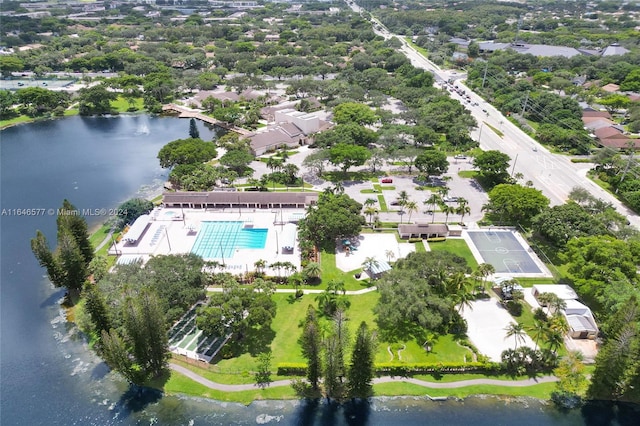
x=220 y=239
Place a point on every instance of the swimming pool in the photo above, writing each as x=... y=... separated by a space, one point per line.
x=220 y=239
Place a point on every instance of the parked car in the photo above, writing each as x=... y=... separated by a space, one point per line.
x=460 y=157
x=386 y=180
x=450 y=199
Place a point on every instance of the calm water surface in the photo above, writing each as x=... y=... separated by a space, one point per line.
x=47 y=374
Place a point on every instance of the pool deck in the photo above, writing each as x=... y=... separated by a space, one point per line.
x=174 y=231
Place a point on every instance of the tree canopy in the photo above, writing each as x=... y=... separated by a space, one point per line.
x=515 y=203
x=186 y=151
x=352 y=112
x=432 y=163
x=347 y=156
x=492 y=166
x=335 y=215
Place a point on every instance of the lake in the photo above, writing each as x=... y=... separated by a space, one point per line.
x=48 y=375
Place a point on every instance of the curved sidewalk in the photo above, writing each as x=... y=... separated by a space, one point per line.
x=448 y=385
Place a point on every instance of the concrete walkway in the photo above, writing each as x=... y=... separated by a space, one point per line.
x=306 y=291
x=433 y=385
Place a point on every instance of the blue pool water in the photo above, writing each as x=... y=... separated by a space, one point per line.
x=220 y=239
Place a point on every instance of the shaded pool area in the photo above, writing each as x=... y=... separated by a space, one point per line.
x=220 y=239
x=503 y=250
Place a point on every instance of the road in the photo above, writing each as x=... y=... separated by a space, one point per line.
x=555 y=175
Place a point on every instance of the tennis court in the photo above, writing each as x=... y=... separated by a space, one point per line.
x=220 y=239
x=503 y=250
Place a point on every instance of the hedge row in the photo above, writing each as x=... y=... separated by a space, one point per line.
x=390 y=369
x=436 y=239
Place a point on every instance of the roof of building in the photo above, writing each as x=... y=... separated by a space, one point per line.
x=594 y=113
x=580 y=323
x=610 y=133
x=228 y=197
x=595 y=123
x=379 y=266
x=137 y=229
x=614 y=49
x=563 y=291
x=274 y=136
x=289 y=236
x=620 y=143
x=611 y=87
x=423 y=228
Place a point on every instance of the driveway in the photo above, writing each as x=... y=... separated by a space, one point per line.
x=487 y=321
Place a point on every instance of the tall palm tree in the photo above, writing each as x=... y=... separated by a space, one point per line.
x=411 y=206
x=433 y=200
x=554 y=339
x=539 y=330
x=338 y=188
x=516 y=331
x=402 y=199
x=485 y=269
x=369 y=263
x=370 y=211
x=447 y=211
x=390 y=255
x=277 y=266
x=260 y=264
x=463 y=208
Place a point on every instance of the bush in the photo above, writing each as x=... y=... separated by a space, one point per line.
x=436 y=239
x=415 y=240
x=566 y=400
x=404 y=370
x=292 y=369
x=514 y=308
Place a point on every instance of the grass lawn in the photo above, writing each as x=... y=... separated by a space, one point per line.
x=541 y=391
x=331 y=272
x=457 y=246
x=121 y=105
x=16 y=120
x=468 y=174
x=420 y=248
x=179 y=384
x=383 y=203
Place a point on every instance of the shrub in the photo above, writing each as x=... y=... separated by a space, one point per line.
x=415 y=240
x=292 y=369
x=436 y=239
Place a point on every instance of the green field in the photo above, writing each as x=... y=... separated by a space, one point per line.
x=456 y=246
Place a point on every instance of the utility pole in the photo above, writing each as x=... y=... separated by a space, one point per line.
x=514 y=165
x=630 y=146
x=524 y=107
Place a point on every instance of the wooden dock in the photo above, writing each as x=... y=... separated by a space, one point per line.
x=184 y=112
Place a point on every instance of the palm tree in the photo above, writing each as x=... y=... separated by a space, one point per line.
x=311 y=271
x=370 y=202
x=433 y=200
x=447 y=211
x=463 y=208
x=260 y=264
x=390 y=255
x=277 y=266
x=554 y=339
x=370 y=211
x=402 y=199
x=369 y=263
x=539 y=330
x=338 y=188
x=553 y=302
x=274 y=164
x=516 y=331
x=288 y=267
x=485 y=269
x=411 y=206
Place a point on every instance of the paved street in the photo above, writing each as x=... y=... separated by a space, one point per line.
x=555 y=175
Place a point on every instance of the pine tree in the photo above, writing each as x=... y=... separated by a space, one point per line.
x=263 y=375
x=146 y=328
x=70 y=220
x=334 y=370
x=193 y=129
x=312 y=347
x=617 y=375
x=361 y=369
x=71 y=262
x=96 y=306
x=117 y=357
x=46 y=259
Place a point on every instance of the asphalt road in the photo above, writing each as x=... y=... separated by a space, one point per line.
x=555 y=175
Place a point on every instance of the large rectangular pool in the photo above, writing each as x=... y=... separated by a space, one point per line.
x=220 y=239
